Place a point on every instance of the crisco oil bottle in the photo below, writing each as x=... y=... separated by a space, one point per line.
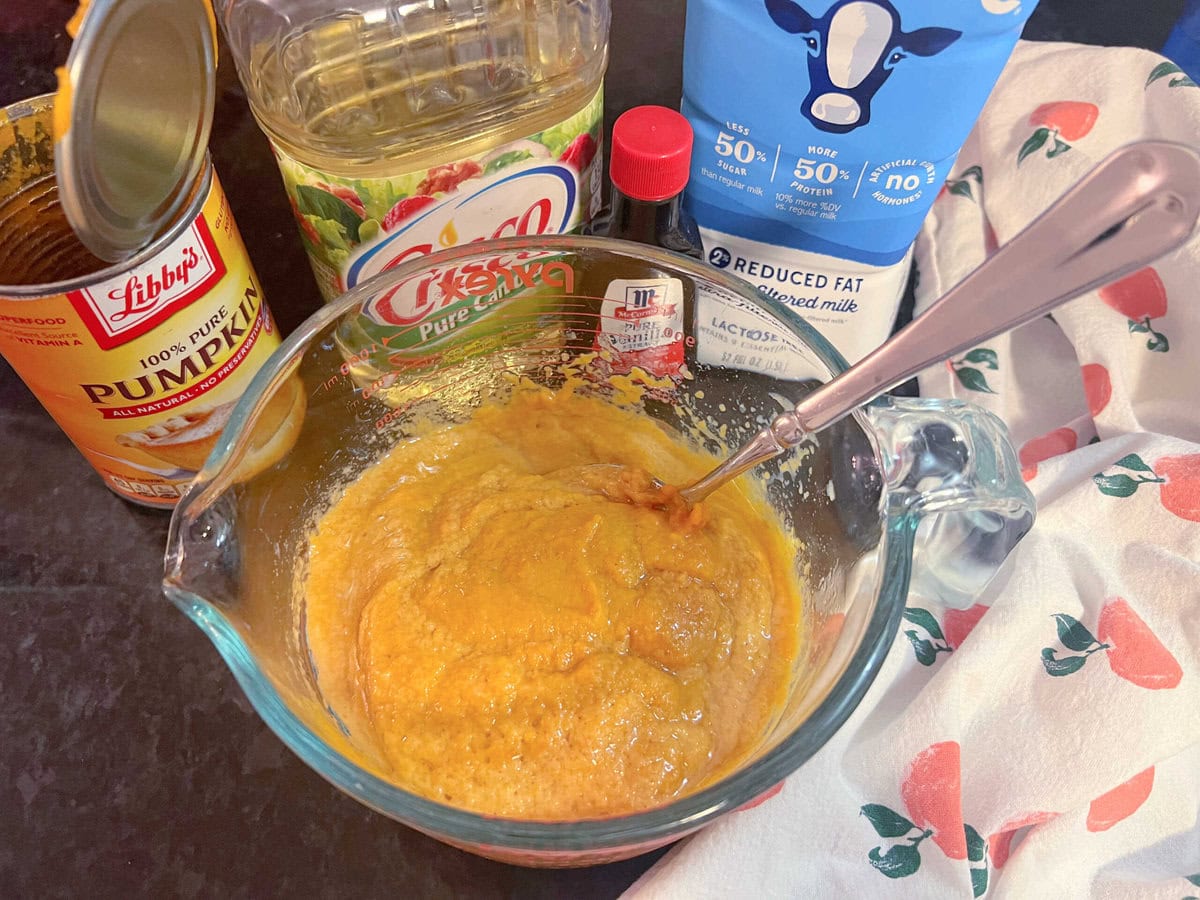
x=404 y=127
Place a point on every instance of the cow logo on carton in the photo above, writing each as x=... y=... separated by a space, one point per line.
x=852 y=50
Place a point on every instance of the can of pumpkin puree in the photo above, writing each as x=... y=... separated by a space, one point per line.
x=139 y=360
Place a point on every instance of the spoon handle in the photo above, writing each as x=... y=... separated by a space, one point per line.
x=1139 y=203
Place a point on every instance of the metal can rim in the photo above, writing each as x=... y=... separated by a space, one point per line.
x=199 y=191
x=140 y=91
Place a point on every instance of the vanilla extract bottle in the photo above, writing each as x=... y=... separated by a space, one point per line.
x=645 y=322
x=649 y=166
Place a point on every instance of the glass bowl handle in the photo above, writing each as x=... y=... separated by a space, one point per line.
x=952 y=478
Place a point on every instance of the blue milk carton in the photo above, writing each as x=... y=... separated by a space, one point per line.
x=824 y=130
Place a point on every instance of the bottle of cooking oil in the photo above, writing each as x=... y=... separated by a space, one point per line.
x=404 y=126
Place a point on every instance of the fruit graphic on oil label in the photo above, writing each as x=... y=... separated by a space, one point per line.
x=369 y=230
x=1000 y=842
x=404 y=209
x=1121 y=802
x=932 y=794
x=958 y=623
x=445 y=178
x=1064 y=121
x=1180 y=488
x=1134 y=652
x=1140 y=297
x=1052 y=443
x=1097 y=387
x=346 y=195
x=580 y=152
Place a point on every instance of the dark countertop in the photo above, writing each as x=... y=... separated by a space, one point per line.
x=130 y=762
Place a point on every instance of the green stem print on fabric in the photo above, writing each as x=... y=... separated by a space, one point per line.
x=926 y=650
x=1165 y=69
x=1140 y=297
x=977 y=853
x=904 y=858
x=1037 y=140
x=1066 y=121
x=971 y=378
x=1157 y=342
x=1119 y=484
x=901 y=860
x=961 y=186
x=1073 y=636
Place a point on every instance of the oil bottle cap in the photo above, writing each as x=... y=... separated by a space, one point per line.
x=139 y=89
x=651 y=153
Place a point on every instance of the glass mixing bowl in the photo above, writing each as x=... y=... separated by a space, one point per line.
x=905 y=492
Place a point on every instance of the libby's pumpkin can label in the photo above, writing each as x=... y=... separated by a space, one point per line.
x=139 y=362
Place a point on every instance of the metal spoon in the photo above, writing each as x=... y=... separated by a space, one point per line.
x=1139 y=203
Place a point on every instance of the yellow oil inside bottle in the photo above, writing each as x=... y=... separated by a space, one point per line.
x=404 y=87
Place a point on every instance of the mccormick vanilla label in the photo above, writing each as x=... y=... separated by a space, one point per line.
x=353 y=228
x=142 y=366
x=641 y=325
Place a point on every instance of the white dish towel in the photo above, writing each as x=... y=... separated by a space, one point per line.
x=1044 y=743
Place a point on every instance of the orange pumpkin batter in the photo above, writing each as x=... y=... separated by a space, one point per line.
x=514 y=643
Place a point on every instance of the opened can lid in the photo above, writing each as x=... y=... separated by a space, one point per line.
x=140 y=86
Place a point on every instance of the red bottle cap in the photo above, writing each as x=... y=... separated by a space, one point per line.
x=651 y=153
